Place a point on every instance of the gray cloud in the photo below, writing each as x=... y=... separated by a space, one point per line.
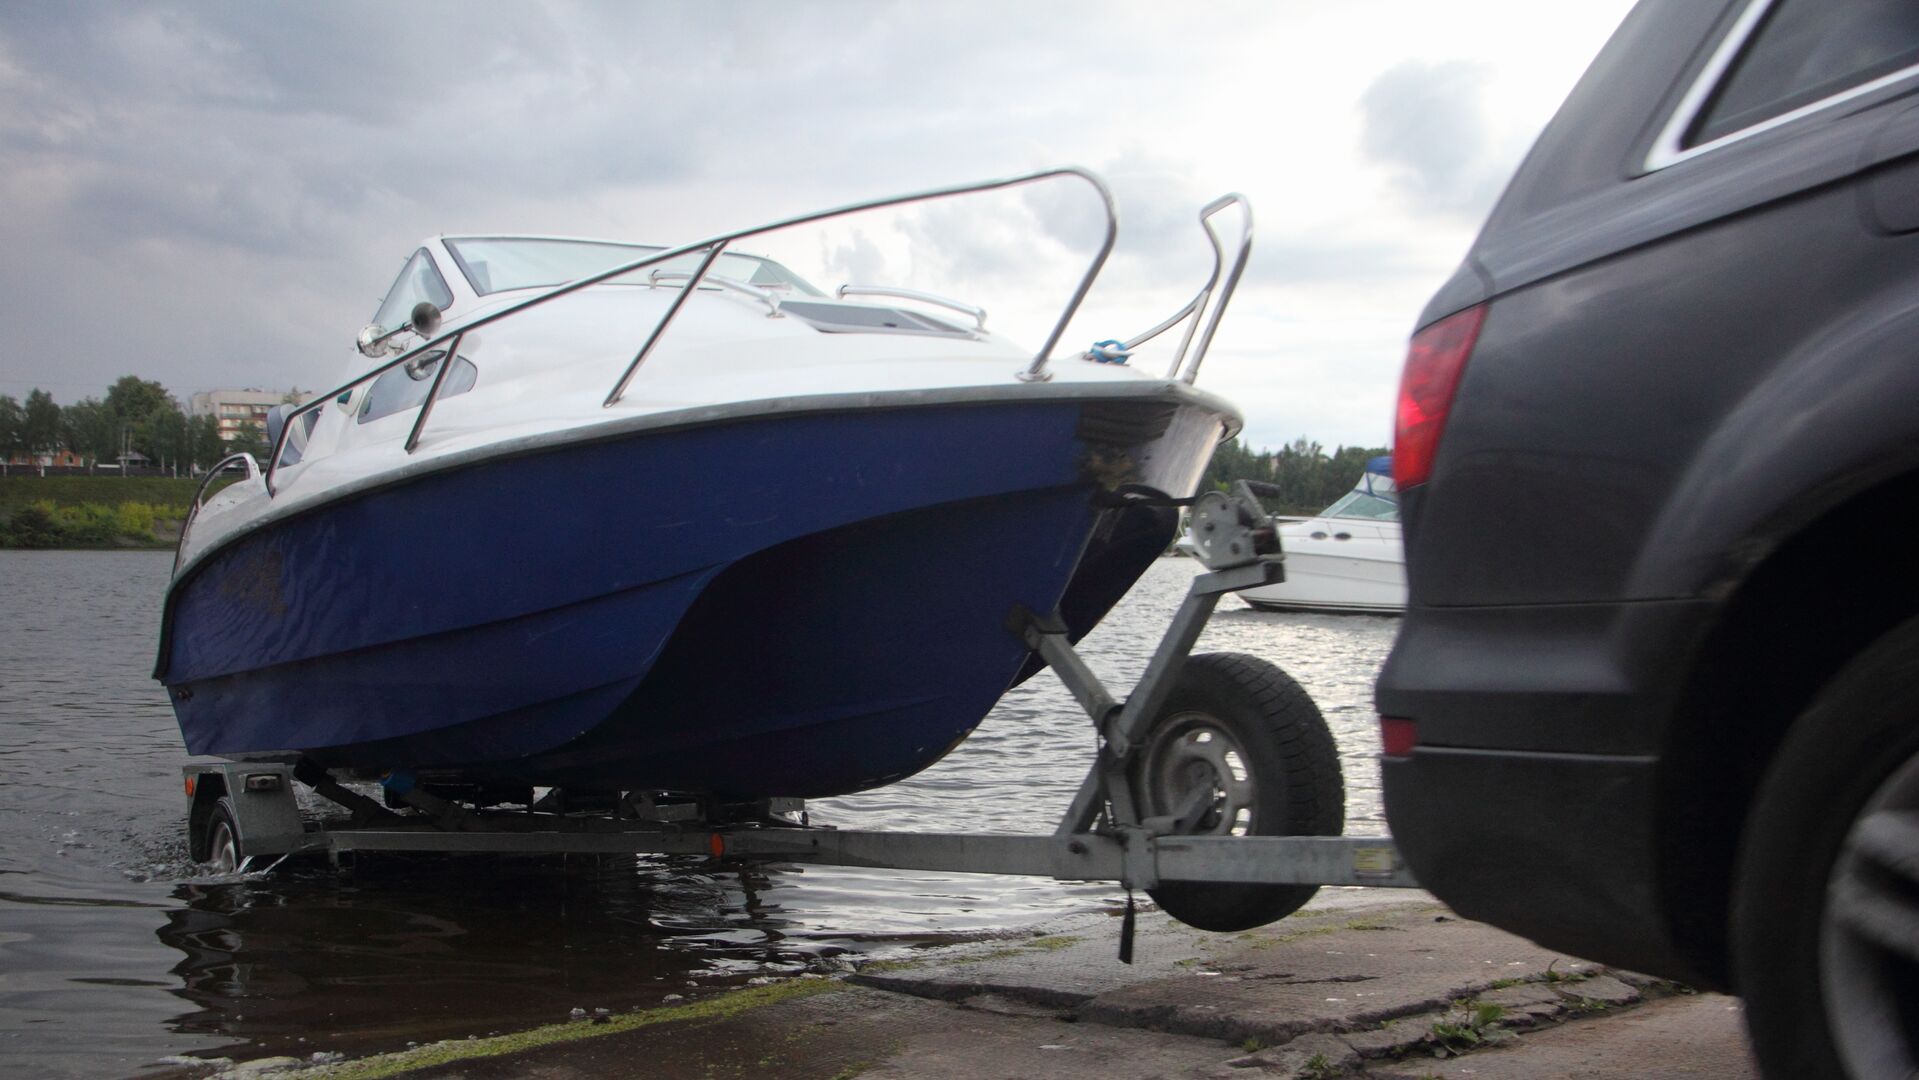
x=216 y=193
x=1429 y=125
x=856 y=260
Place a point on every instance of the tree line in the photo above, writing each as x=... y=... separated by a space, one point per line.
x=1309 y=478
x=137 y=415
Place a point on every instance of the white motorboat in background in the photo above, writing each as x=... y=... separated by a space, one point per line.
x=1347 y=558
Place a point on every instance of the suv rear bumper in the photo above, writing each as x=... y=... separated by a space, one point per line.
x=1558 y=848
x=1532 y=798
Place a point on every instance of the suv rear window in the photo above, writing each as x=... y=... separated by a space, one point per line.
x=1807 y=50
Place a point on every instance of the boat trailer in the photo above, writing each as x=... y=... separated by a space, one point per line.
x=1187 y=803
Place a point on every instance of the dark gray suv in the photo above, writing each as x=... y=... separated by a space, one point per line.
x=1656 y=697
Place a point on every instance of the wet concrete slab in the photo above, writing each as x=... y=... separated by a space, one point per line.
x=1390 y=989
x=1338 y=969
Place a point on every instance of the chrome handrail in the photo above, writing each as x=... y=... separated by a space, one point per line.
x=448 y=361
x=200 y=496
x=978 y=313
x=743 y=288
x=1204 y=323
x=1034 y=371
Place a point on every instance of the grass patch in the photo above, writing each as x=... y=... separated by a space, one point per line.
x=1473 y=1027
x=94 y=511
x=1051 y=942
x=1553 y=976
x=20 y=490
x=719 y=1007
x=1048 y=943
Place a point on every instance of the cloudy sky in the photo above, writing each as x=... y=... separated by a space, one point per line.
x=217 y=195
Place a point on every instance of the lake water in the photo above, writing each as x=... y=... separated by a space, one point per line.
x=116 y=954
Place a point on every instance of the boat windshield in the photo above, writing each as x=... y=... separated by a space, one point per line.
x=419 y=280
x=495 y=264
x=1358 y=504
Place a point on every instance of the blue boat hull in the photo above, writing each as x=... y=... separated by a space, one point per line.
x=787 y=605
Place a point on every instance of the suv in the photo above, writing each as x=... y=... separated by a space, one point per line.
x=1656 y=696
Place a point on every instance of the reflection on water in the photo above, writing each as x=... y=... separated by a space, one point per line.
x=418 y=948
x=114 y=954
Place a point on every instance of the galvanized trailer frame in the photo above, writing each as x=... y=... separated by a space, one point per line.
x=1102 y=836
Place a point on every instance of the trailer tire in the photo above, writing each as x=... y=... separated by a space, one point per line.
x=223 y=838
x=1244 y=727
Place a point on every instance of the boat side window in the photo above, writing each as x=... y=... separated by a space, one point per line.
x=295 y=446
x=1805 y=51
x=398 y=391
x=419 y=280
x=1358 y=504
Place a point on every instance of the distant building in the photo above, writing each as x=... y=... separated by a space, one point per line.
x=236 y=410
x=58 y=458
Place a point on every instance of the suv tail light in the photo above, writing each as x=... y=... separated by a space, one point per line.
x=1434 y=361
x=1397 y=736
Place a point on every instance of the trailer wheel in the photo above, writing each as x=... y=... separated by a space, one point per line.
x=1239 y=749
x=223 y=838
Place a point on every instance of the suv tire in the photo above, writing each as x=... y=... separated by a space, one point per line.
x=1825 y=922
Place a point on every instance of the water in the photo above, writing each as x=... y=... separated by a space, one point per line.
x=115 y=953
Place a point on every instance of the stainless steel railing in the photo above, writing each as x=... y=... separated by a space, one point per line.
x=200 y=495
x=710 y=250
x=764 y=296
x=978 y=313
x=1205 y=322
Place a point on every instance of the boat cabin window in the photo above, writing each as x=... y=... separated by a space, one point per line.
x=1358 y=504
x=495 y=264
x=419 y=280
x=398 y=390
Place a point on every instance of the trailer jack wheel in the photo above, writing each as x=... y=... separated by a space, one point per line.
x=1238 y=749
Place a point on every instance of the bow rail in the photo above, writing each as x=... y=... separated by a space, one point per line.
x=1204 y=322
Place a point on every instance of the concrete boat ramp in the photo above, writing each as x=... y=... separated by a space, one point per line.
x=1357 y=985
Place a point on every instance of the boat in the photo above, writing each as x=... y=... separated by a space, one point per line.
x=620 y=518
x=1348 y=557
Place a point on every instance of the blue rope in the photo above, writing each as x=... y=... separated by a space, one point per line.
x=1108 y=352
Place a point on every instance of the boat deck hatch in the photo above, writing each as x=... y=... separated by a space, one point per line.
x=860 y=319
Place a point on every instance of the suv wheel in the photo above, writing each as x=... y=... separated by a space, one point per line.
x=1826 y=907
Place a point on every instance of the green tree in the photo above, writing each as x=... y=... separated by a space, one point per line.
x=89 y=429
x=132 y=398
x=249 y=440
x=1309 y=479
x=207 y=447
x=163 y=435
x=13 y=429
x=134 y=402
x=42 y=427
